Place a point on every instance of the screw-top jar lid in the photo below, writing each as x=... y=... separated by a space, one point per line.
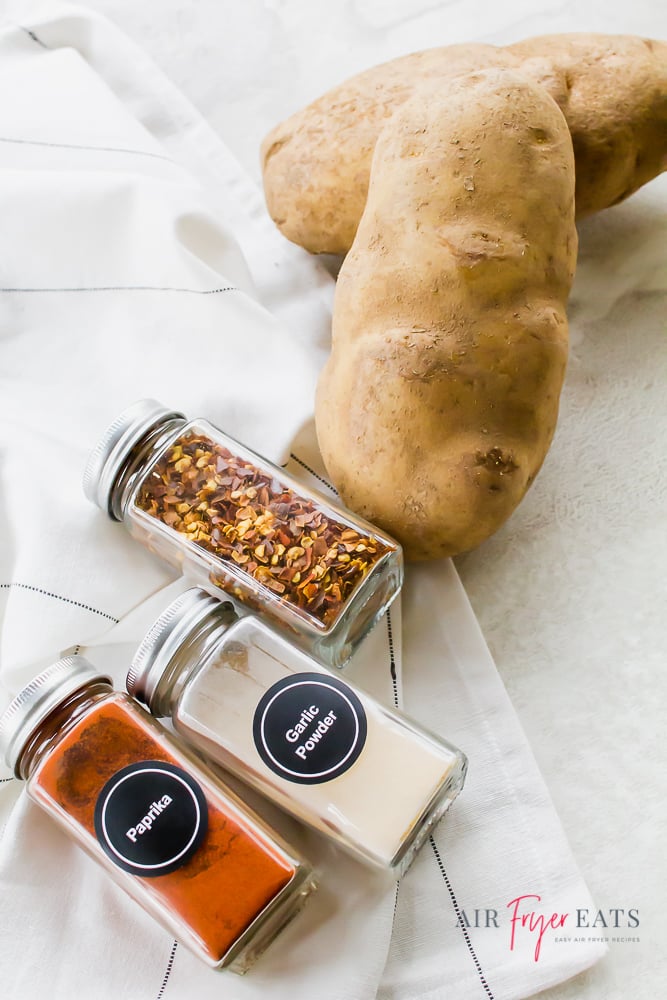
x=38 y=699
x=112 y=452
x=193 y=611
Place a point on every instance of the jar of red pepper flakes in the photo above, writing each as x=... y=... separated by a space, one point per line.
x=158 y=821
x=240 y=526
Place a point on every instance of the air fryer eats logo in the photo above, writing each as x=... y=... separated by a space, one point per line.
x=150 y=818
x=529 y=924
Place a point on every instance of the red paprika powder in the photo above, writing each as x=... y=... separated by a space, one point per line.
x=163 y=826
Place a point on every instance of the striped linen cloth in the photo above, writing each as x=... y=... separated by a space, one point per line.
x=136 y=260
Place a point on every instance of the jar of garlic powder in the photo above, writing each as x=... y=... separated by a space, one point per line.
x=237 y=524
x=368 y=777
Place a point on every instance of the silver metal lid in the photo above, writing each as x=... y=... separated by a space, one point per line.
x=113 y=450
x=38 y=699
x=163 y=641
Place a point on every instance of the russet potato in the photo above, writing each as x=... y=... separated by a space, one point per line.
x=612 y=90
x=440 y=398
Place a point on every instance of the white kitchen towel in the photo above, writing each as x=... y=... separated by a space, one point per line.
x=125 y=224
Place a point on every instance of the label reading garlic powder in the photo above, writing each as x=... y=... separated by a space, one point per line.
x=309 y=728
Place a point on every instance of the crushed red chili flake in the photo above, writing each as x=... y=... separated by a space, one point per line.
x=250 y=520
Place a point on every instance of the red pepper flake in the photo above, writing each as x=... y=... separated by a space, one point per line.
x=244 y=515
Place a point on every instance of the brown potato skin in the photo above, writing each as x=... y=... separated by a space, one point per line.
x=612 y=90
x=316 y=164
x=440 y=398
x=613 y=93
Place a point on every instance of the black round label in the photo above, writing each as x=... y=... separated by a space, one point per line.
x=309 y=728
x=150 y=818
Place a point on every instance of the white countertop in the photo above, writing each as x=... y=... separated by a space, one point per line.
x=570 y=593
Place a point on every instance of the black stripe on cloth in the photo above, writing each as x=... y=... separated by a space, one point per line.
x=126 y=288
x=71 y=145
x=460 y=922
x=170 y=965
x=3 y=780
x=83 y=146
x=392 y=671
x=392 y=661
x=34 y=37
x=59 y=597
x=312 y=472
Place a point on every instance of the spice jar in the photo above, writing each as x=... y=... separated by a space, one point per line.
x=368 y=777
x=164 y=828
x=236 y=523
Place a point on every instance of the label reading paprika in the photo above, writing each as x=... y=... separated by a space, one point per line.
x=309 y=728
x=150 y=818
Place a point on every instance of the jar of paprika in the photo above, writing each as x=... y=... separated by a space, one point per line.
x=240 y=526
x=165 y=829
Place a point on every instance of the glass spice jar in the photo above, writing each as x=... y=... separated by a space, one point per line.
x=364 y=775
x=165 y=829
x=236 y=523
